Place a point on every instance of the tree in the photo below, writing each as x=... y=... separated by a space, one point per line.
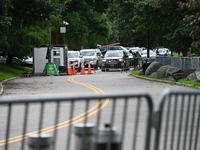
x=192 y=15
x=27 y=29
x=90 y=26
x=160 y=20
x=5 y=22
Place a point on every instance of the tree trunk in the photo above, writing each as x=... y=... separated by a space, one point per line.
x=9 y=60
x=184 y=53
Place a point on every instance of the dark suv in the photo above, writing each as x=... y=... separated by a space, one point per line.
x=115 y=59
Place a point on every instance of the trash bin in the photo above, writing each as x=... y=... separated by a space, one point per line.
x=62 y=70
x=135 y=64
x=145 y=65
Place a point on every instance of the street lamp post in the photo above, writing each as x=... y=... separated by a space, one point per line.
x=63 y=31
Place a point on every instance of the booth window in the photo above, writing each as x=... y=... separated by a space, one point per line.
x=56 y=53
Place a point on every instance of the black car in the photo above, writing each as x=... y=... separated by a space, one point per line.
x=115 y=59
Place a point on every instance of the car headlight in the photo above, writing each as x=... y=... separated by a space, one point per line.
x=121 y=60
x=103 y=60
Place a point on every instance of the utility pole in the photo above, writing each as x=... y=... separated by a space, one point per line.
x=148 y=43
x=49 y=28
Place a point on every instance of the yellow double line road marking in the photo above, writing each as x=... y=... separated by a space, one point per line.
x=100 y=105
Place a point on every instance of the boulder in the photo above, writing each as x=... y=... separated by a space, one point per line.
x=197 y=72
x=174 y=72
x=187 y=72
x=161 y=72
x=153 y=67
x=192 y=77
x=153 y=74
x=195 y=76
x=178 y=75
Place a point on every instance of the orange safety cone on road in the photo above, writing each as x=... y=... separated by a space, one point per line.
x=73 y=69
x=69 y=70
x=89 y=68
x=82 y=68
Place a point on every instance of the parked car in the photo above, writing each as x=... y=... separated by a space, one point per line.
x=136 y=50
x=152 y=54
x=163 y=52
x=92 y=56
x=116 y=48
x=76 y=58
x=115 y=59
x=27 y=62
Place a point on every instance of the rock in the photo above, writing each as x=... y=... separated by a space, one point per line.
x=153 y=74
x=195 y=76
x=197 y=73
x=161 y=72
x=187 y=72
x=178 y=75
x=172 y=70
x=192 y=77
x=153 y=67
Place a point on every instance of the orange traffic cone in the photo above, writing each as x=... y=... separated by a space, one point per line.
x=89 y=68
x=73 y=69
x=69 y=72
x=82 y=68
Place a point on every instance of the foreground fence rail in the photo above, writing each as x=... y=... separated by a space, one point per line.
x=178 y=121
x=128 y=114
x=124 y=121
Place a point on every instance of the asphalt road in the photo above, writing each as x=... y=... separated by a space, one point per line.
x=107 y=81
x=99 y=82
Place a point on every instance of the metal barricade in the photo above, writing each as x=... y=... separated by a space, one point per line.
x=129 y=118
x=21 y=117
x=177 y=120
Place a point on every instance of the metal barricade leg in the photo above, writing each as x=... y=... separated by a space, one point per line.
x=83 y=136
x=40 y=141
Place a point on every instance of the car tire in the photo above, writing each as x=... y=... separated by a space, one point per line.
x=102 y=70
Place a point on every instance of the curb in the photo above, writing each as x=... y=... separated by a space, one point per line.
x=1 y=88
x=1 y=84
x=168 y=82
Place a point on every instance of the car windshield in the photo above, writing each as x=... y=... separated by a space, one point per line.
x=87 y=53
x=162 y=50
x=150 y=52
x=136 y=50
x=114 y=54
x=129 y=54
x=117 y=48
x=72 y=55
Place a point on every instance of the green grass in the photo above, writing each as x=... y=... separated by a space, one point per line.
x=192 y=83
x=7 y=72
x=182 y=81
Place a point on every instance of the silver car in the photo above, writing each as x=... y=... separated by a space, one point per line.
x=92 y=56
x=75 y=58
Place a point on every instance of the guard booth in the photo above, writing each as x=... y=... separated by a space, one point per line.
x=55 y=65
x=58 y=57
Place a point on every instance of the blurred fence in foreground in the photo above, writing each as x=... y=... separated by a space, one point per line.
x=131 y=122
